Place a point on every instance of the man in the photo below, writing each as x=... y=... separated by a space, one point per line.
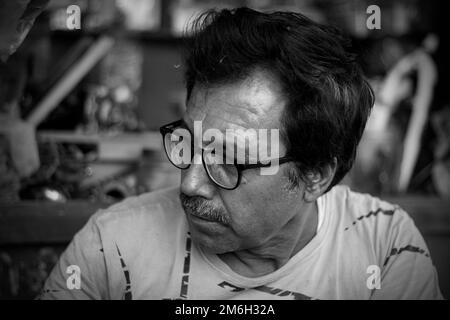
x=233 y=231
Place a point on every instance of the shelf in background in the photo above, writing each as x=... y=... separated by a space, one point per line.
x=34 y=223
x=120 y=147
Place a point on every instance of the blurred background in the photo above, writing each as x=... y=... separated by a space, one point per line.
x=85 y=85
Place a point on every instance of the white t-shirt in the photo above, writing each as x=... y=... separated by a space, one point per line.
x=141 y=248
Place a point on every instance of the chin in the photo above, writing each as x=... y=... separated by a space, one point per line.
x=212 y=244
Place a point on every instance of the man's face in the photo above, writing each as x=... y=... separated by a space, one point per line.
x=254 y=214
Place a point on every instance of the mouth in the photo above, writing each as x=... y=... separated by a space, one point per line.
x=203 y=218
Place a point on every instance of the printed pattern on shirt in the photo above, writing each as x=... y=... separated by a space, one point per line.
x=374 y=214
x=127 y=294
x=266 y=289
x=186 y=268
x=410 y=248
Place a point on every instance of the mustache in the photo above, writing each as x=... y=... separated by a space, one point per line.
x=199 y=206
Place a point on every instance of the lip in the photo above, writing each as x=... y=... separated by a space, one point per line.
x=203 y=218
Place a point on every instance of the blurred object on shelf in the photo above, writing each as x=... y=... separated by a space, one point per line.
x=399 y=124
x=99 y=172
x=376 y=164
x=111 y=105
x=441 y=177
x=44 y=193
x=441 y=167
x=81 y=171
x=19 y=134
x=74 y=160
x=427 y=74
x=70 y=79
x=50 y=162
x=114 y=189
x=110 y=110
x=141 y=15
x=98 y=168
x=16 y=20
x=9 y=179
x=122 y=66
x=74 y=171
x=58 y=177
x=22 y=145
x=441 y=125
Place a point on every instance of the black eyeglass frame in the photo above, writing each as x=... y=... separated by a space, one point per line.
x=171 y=127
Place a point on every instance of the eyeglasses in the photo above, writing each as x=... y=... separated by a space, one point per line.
x=225 y=175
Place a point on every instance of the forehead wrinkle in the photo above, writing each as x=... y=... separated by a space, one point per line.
x=246 y=113
x=254 y=102
x=228 y=113
x=223 y=123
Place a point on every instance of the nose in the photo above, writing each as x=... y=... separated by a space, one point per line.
x=195 y=180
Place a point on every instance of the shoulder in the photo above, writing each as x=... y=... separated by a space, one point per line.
x=149 y=205
x=380 y=226
x=361 y=210
x=141 y=217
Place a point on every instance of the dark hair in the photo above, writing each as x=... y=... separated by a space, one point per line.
x=329 y=100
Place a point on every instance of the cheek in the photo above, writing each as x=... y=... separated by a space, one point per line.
x=261 y=207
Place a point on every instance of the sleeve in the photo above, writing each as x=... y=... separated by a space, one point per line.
x=408 y=271
x=81 y=270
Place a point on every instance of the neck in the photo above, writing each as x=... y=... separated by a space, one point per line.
x=277 y=251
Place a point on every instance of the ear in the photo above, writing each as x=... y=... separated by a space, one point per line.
x=318 y=182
